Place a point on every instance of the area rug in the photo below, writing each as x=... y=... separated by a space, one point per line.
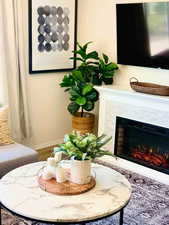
x=149 y=204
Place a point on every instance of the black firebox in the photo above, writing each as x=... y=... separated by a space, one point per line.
x=142 y=143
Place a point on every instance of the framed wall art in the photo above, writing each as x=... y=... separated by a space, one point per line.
x=52 y=35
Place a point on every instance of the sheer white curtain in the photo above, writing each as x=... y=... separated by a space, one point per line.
x=3 y=92
x=13 y=29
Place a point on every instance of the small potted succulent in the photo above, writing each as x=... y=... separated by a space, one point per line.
x=82 y=100
x=82 y=149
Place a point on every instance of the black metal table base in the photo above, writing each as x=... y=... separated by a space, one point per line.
x=121 y=216
x=121 y=211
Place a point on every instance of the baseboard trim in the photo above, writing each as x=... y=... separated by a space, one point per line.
x=47 y=144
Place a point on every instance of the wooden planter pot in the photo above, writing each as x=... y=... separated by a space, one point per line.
x=83 y=124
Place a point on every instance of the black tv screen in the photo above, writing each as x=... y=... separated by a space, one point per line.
x=143 y=34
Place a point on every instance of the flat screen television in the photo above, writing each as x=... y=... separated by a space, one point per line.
x=143 y=34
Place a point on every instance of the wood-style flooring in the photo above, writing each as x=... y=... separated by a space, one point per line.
x=44 y=153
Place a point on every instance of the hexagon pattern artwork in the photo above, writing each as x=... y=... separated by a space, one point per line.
x=53 y=28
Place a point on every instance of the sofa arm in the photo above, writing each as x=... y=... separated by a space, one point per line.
x=15 y=155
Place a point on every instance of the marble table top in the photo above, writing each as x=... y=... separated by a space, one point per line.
x=19 y=192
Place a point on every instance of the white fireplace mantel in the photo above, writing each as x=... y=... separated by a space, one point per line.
x=118 y=101
x=128 y=92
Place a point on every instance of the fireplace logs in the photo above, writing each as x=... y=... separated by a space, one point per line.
x=151 y=156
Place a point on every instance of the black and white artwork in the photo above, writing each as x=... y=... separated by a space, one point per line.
x=53 y=28
x=52 y=35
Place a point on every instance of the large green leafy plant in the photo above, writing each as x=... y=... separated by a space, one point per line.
x=82 y=94
x=94 y=69
x=83 y=147
x=79 y=83
x=87 y=61
x=105 y=70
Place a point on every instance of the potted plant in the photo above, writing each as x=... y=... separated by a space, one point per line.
x=79 y=84
x=94 y=69
x=82 y=100
x=82 y=149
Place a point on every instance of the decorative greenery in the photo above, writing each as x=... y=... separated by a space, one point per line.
x=94 y=69
x=82 y=94
x=83 y=147
x=87 y=67
x=106 y=70
x=79 y=83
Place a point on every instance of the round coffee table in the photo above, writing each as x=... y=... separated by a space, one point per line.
x=21 y=195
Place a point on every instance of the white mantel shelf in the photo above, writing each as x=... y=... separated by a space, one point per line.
x=128 y=92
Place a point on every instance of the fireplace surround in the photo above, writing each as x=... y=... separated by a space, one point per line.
x=117 y=102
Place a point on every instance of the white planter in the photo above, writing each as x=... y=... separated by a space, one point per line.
x=80 y=171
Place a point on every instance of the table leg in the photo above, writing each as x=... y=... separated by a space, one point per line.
x=121 y=217
x=0 y=214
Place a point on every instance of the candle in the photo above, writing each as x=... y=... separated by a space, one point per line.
x=51 y=161
x=66 y=165
x=47 y=175
x=58 y=157
x=60 y=175
x=51 y=169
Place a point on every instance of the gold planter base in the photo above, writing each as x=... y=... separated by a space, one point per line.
x=83 y=124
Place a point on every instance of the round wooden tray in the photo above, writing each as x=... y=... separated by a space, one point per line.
x=65 y=188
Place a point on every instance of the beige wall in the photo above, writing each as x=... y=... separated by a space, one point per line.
x=48 y=102
x=97 y=23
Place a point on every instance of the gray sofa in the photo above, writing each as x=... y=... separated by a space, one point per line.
x=12 y=155
x=15 y=155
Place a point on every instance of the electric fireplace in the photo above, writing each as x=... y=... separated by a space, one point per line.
x=142 y=143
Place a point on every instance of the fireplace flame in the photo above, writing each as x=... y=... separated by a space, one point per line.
x=150 y=155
